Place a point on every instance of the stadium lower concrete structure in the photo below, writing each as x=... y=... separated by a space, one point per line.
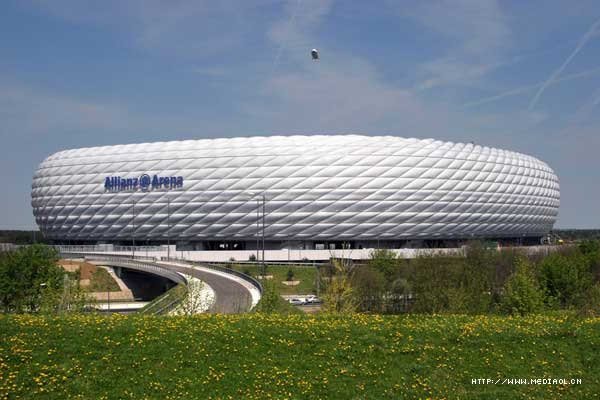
x=298 y=192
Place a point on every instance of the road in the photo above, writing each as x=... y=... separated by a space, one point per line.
x=230 y=295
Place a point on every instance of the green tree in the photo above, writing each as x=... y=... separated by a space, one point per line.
x=473 y=290
x=290 y=275
x=386 y=262
x=430 y=279
x=26 y=276
x=339 y=295
x=369 y=288
x=398 y=296
x=522 y=294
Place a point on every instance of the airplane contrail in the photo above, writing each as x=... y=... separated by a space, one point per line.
x=524 y=89
x=283 y=43
x=584 y=39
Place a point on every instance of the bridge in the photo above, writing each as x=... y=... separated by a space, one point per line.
x=234 y=292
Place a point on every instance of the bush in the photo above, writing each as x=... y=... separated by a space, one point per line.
x=590 y=306
x=398 y=296
x=271 y=302
x=290 y=275
x=252 y=257
x=384 y=261
x=369 y=288
x=431 y=278
x=27 y=275
x=522 y=295
x=270 y=298
x=565 y=278
x=339 y=295
x=473 y=290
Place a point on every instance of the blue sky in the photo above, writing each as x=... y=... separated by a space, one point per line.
x=519 y=75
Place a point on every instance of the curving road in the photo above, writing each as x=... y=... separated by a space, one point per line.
x=230 y=295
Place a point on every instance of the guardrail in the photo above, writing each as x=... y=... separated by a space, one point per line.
x=270 y=263
x=101 y=248
x=148 y=267
x=83 y=254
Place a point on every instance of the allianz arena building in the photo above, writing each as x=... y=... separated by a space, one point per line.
x=310 y=192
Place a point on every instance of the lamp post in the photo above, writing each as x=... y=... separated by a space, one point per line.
x=264 y=200
x=133 y=228
x=168 y=228
x=257 y=228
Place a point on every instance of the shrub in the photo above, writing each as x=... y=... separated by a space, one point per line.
x=398 y=296
x=369 y=288
x=272 y=302
x=270 y=298
x=565 y=278
x=252 y=257
x=385 y=261
x=26 y=276
x=430 y=277
x=522 y=295
x=290 y=275
x=590 y=306
x=339 y=295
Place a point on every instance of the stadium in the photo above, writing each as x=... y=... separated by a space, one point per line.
x=305 y=192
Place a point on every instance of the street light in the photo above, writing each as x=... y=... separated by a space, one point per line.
x=168 y=228
x=133 y=228
x=264 y=200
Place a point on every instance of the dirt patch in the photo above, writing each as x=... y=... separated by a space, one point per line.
x=86 y=270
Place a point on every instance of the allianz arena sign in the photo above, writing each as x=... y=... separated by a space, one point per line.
x=144 y=182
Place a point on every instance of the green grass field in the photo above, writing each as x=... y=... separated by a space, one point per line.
x=296 y=356
x=306 y=276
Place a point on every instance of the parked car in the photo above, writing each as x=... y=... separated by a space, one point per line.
x=312 y=299
x=296 y=302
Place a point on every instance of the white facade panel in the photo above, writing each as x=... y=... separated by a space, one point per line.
x=317 y=187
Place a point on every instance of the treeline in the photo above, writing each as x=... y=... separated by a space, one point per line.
x=578 y=234
x=21 y=237
x=484 y=281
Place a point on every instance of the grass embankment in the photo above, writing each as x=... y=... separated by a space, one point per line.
x=295 y=356
x=101 y=281
x=92 y=277
x=306 y=275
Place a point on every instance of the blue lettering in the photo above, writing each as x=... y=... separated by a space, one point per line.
x=117 y=183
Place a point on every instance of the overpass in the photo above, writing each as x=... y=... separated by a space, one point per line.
x=234 y=292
